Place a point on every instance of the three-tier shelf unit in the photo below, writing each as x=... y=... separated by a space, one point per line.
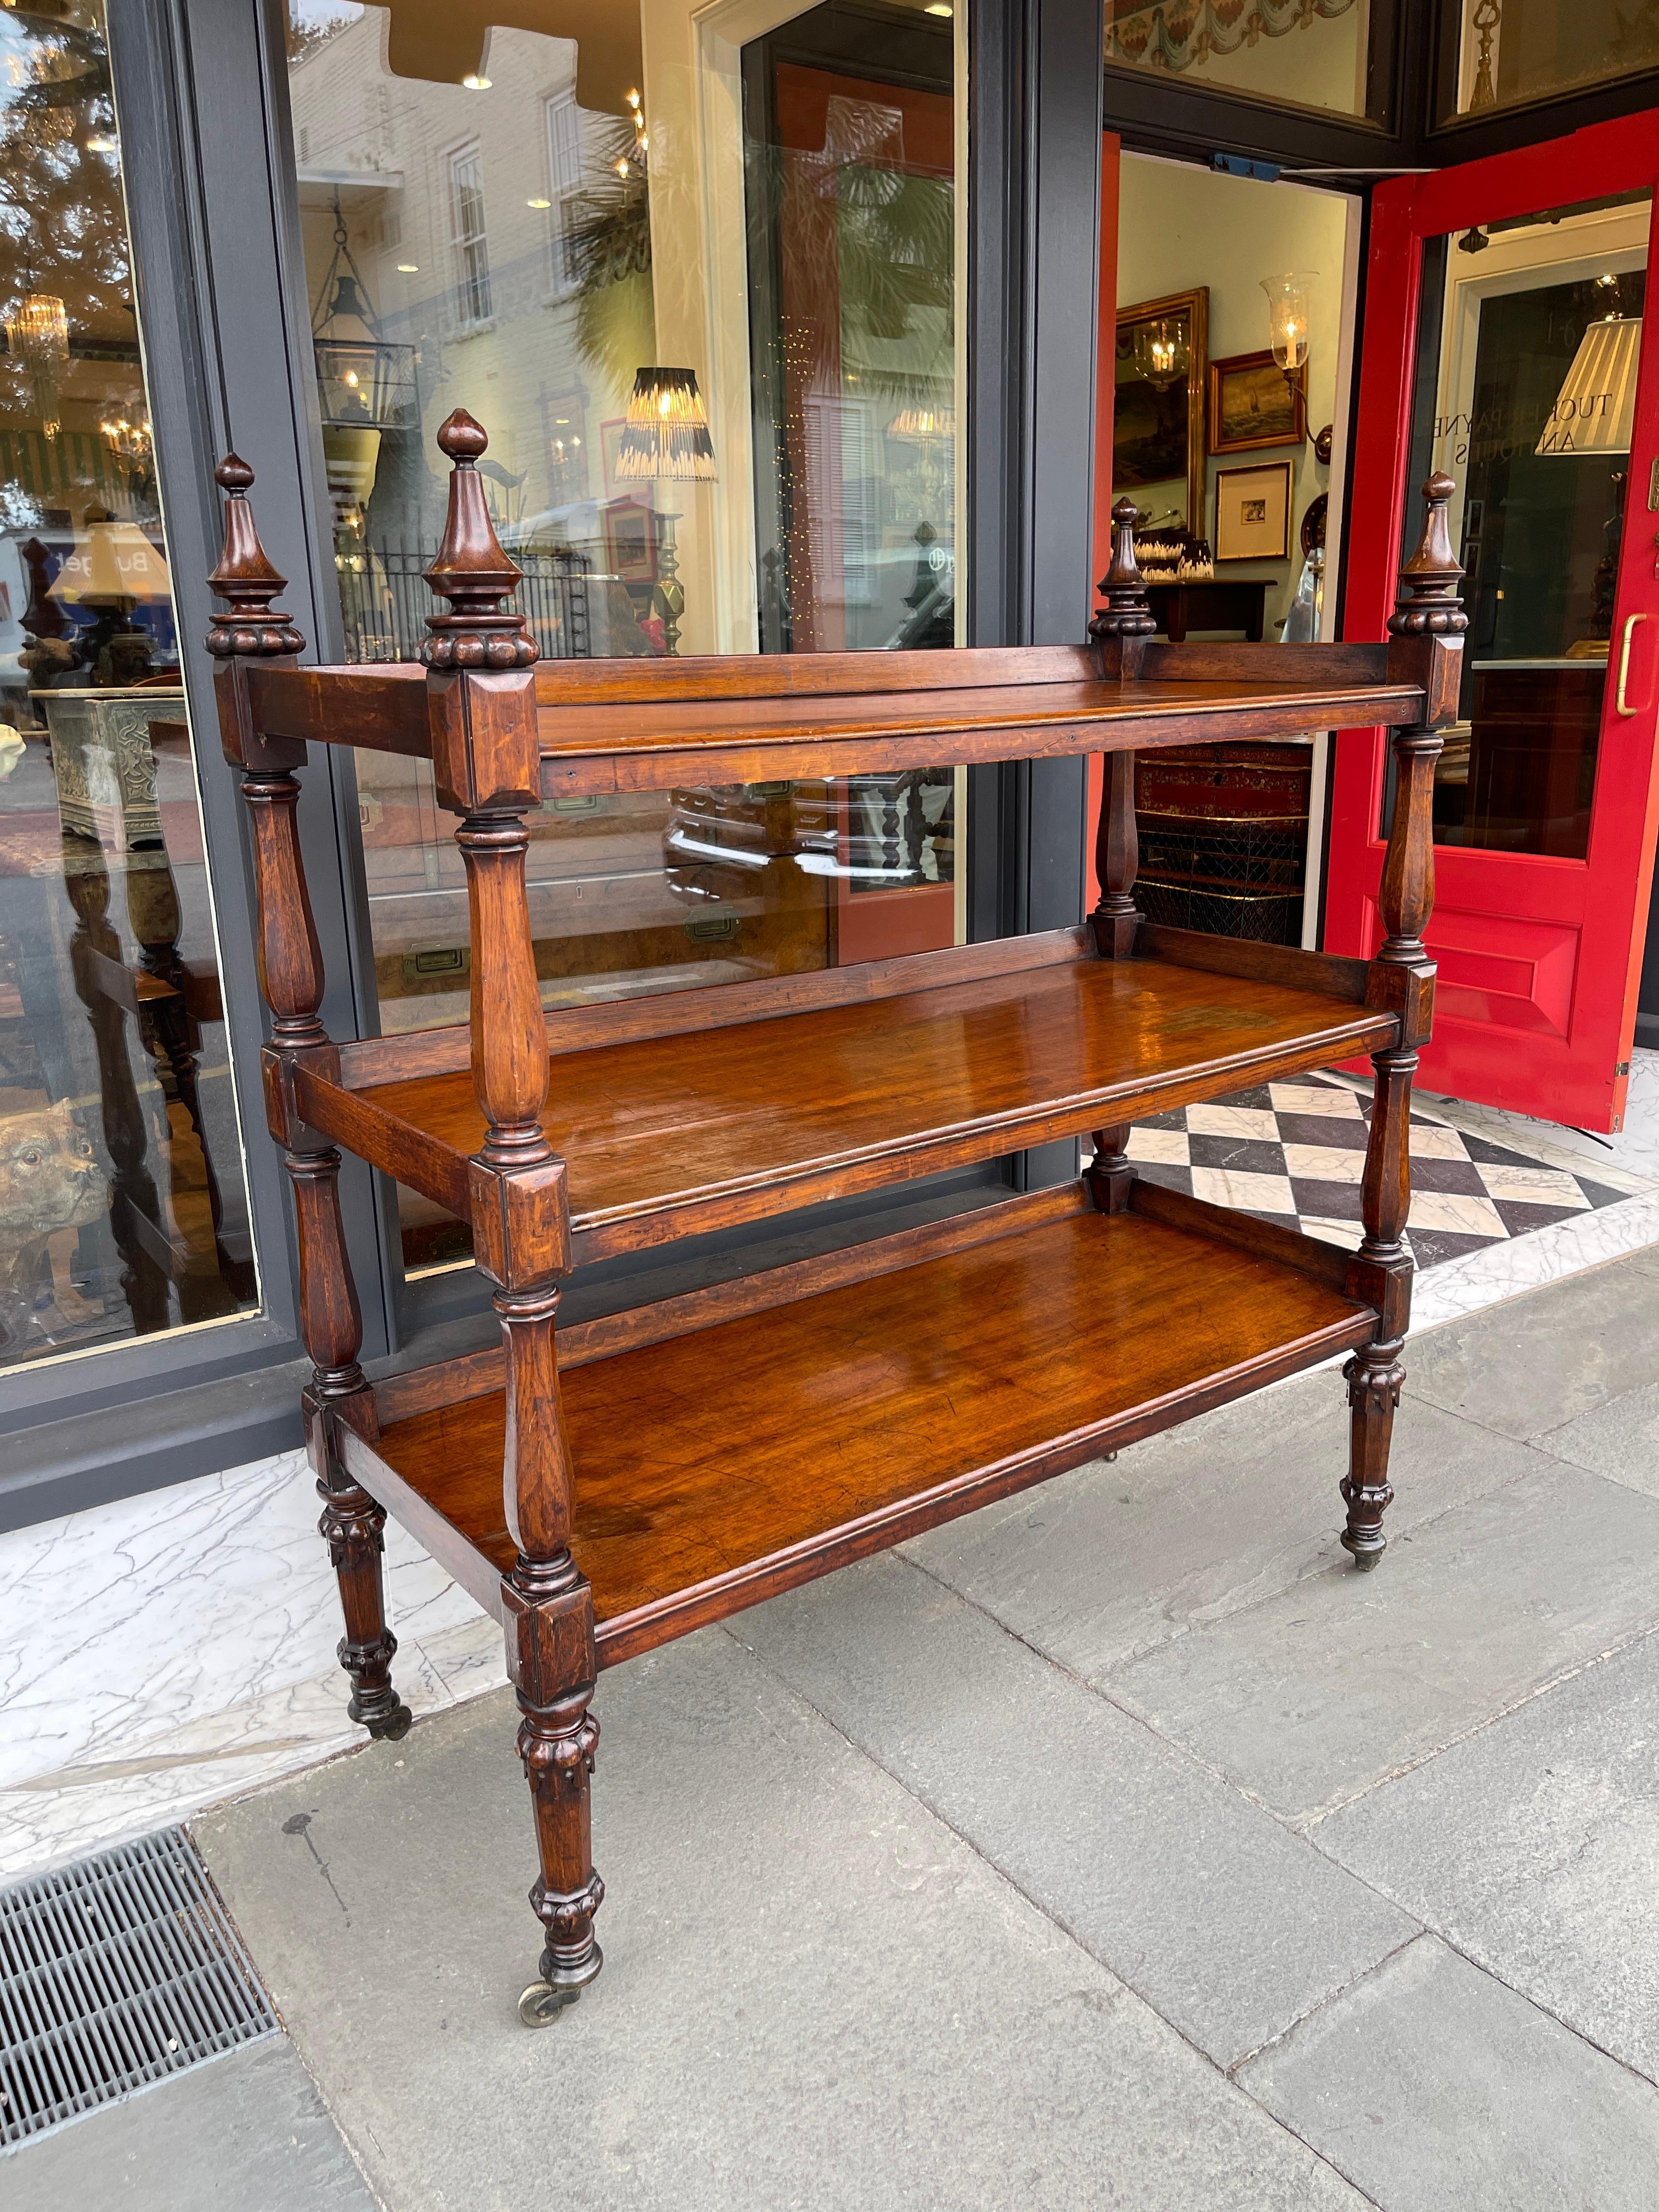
x=603 y=1487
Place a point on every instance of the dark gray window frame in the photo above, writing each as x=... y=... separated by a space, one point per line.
x=202 y=92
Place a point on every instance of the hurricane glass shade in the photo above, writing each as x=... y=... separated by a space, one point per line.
x=1163 y=352
x=1596 y=405
x=665 y=437
x=1287 y=318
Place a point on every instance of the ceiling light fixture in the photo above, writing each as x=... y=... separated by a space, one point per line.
x=538 y=203
x=475 y=83
x=408 y=268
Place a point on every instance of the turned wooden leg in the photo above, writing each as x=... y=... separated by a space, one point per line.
x=353 y=1526
x=1374 y=1373
x=550 y=1658
x=1374 y=1376
x=1110 y=1175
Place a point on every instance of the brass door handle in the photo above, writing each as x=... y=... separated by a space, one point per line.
x=1619 y=706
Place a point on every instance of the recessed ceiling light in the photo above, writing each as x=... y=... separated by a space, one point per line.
x=102 y=142
x=475 y=83
x=939 y=8
x=538 y=203
x=408 y=268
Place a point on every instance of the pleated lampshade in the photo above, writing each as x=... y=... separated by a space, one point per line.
x=666 y=433
x=1596 y=405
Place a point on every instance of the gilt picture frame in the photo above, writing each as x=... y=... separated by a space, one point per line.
x=1253 y=512
x=1157 y=432
x=1253 y=405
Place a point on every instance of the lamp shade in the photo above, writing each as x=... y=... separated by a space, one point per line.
x=1594 y=407
x=922 y=422
x=114 y=562
x=666 y=433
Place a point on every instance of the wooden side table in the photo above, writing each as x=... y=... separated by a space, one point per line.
x=1223 y=603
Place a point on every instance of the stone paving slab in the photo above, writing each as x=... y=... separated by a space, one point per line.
x=1231 y=1926
x=1534 y=1847
x=1104 y=1564
x=1534 y=1362
x=814 y=1995
x=1432 y=2086
x=245 y=2133
x=1620 y=1439
x=1314 y=1696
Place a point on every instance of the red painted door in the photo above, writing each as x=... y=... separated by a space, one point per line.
x=1504 y=340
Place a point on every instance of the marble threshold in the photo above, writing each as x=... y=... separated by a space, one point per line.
x=197 y=1659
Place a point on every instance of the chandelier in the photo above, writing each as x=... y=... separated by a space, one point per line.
x=130 y=442
x=37 y=335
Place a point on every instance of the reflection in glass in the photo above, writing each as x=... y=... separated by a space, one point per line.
x=543 y=225
x=1503 y=52
x=1540 y=441
x=1298 y=53
x=122 y=1207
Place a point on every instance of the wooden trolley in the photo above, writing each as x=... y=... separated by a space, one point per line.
x=599 y=1487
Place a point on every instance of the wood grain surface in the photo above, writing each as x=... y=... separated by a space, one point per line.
x=671 y=1133
x=720 y=739
x=716 y=1468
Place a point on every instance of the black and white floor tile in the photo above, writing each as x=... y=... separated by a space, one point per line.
x=1295 y=1152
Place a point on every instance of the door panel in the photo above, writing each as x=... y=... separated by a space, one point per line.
x=1542 y=402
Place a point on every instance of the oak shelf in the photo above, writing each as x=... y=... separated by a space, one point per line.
x=719 y=1464
x=603 y=1487
x=727 y=1104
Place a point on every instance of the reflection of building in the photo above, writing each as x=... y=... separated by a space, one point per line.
x=451 y=285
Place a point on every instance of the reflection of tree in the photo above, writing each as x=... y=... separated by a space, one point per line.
x=608 y=240
x=61 y=227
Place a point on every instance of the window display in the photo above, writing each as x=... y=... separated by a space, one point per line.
x=123 y=1209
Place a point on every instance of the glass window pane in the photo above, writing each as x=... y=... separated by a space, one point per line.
x=123 y=1209
x=1299 y=54
x=1501 y=53
x=562 y=226
x=1540 y=333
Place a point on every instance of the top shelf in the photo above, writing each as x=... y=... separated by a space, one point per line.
x=622 y=726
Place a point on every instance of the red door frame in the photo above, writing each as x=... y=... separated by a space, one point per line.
x=1540 y=959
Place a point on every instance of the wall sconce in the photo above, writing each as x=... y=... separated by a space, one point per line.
x=1287 y=320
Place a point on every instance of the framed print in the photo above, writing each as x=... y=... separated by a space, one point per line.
x=1158 y=408
x=630 y=541
x=1252 y=406
x=1253 y=512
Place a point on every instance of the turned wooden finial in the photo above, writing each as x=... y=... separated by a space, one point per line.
x=1428 y=605
x=1126 y=612
x=472 y=571
x=253 y=628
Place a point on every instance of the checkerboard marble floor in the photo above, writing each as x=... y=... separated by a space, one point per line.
x=1295 y=1152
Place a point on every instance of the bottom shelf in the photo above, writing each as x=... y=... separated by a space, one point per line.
x=734 y=1459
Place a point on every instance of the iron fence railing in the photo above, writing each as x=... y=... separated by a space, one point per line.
x=385 y=601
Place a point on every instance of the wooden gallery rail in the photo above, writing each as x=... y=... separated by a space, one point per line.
x=602 y=1491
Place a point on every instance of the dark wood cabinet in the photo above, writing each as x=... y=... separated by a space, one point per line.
x=603 y=1487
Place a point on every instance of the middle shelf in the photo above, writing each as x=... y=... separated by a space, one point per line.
x=699 y=1109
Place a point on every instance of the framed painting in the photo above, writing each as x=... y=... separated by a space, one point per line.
x=1253 y=512
x=1158 y=408
x=1252 y=404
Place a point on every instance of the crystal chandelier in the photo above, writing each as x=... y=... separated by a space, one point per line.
x=37 y=334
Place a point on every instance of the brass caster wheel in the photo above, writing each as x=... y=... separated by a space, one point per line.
x=541 y=2005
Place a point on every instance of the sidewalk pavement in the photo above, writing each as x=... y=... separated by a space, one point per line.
x=1117 y=1846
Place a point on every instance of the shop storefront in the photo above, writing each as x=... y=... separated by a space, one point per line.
x=789 y=327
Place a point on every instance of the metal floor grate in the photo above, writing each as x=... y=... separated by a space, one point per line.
x=114 y=1972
